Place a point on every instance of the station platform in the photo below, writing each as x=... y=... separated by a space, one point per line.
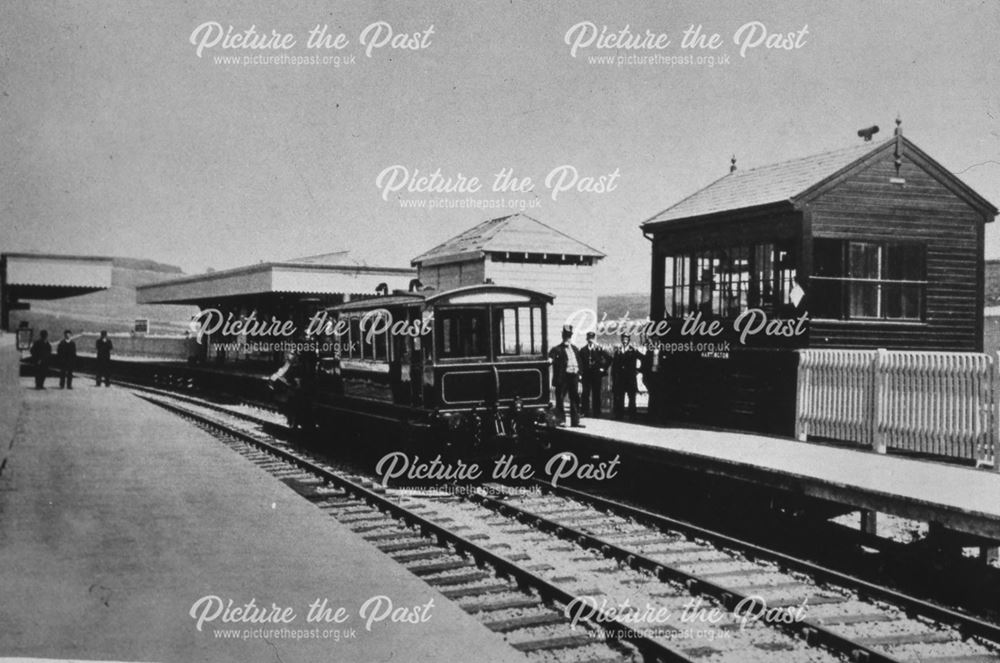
x=959 y=498
x=116 y=518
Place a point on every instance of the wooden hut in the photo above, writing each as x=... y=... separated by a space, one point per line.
x=877 y=245
x=517 y=250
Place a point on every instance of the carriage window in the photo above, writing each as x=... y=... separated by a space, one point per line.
x=368 y=350
x=519 y=331
x=530 y=326
x=508 y=332
x=377 y=343
x=537 y=337
x=355 y=337
x=462 y=332
x=380 y=343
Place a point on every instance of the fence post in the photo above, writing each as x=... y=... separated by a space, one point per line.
x=878 y=401
x=802 y=376
x=994 y=382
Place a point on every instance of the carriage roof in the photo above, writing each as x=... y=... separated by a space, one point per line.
x=486 y=293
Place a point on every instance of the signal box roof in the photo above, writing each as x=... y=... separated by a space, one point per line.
x=798 y=180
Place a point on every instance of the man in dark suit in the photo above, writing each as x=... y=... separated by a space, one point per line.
x=593 y=365
x=104 y=348
x=566 y=378
x=66 y=354
x=624 y=371
x=41 y=354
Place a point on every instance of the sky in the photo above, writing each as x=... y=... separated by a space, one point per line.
x=119 y=139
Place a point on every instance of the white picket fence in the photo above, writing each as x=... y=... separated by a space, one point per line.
x=938 y=403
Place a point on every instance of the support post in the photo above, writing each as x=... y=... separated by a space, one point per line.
x=869 y=522
x=878 y=401
x=802 y=378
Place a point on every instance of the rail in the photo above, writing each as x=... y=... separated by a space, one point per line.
x=651 y=650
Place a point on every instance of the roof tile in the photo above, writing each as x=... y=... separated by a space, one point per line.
x=765 y=185
x=517 y=233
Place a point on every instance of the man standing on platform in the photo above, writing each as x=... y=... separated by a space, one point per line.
x=104 y=348
x=624 y=371
x=66 y=354
x=566 y=378
x=593 y=364
x=41 y=354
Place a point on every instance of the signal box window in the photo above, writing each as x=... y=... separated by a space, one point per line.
x=726 y=282
x=868 y=280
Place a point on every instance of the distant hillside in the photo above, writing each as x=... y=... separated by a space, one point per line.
x=635 y=305
x=141 y=265
x=113 y=309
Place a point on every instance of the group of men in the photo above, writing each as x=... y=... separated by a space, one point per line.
x=41 y=359
x=584 y=368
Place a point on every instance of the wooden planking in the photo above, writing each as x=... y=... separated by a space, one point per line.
x=751 y=390
x=863 y=205
x=738 y=230
x=452 y=275
x=572 y=286
x=868 y=207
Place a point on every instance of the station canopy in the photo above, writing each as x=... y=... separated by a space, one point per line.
x=330 y=277
x=49 y=276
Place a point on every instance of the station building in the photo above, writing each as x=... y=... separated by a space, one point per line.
x=518 y=251
x=878 y=244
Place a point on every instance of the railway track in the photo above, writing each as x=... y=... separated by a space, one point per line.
x=860 y=619
x=567 y=576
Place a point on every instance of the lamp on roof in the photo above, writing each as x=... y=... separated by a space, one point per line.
x=868 y=132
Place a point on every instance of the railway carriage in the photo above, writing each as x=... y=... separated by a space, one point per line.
x=461 y=369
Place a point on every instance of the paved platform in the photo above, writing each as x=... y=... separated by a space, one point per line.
x=116 y=517
x=961 y=498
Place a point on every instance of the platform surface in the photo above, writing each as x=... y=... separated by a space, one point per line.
x=962 y=498
x=116 y=517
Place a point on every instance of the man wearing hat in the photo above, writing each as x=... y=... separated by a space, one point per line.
x=624 y=365
x=566 y=378
x=594 y=362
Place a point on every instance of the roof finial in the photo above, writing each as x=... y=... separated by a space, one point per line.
x=898 y=161
x=732 y=164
